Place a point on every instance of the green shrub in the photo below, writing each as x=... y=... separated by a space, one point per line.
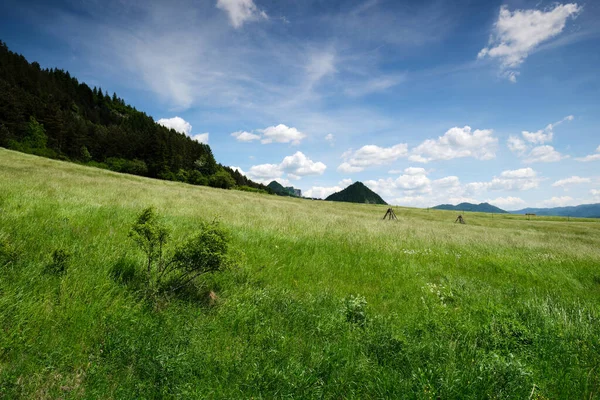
x=222 y=180
x=60 y=262
x=203 y=253
x=150 y=236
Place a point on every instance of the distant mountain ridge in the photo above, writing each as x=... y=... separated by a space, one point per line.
x=481 y=207
x=357 y=193
x=279 y=189
x=580 y=211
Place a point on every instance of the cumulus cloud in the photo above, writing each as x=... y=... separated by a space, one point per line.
x=201 y=137
x=544 y=135
x=415 y=183
x=330 y=138
x=591 y=157
x=273 y=134
x=321 y=192
x=300 y=165
x=238 y=169
x=507 y=202
x=182 y=126
x=457 y=143
x=371 y=155
x=517 y=33
x=516 y=145
x=544 y=154
x=295 y=166
x=511 y=180
x=243 y=136
x=595 y=192
x=264 y=172
x=574 y=180
x=281 y=134
x=176 y=123
x=559 y=202
x=414 y=171
x=241 y=11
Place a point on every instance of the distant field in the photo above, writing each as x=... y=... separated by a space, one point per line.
x=501 y=307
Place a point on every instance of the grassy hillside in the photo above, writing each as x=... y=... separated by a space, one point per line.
x=499 y=308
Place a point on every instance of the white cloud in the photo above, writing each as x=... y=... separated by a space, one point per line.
x=507 y=202
x=591 y=157
x=281 y=134
x=347 y=168
x=295 y=166
x=538 y=137
x=574 y=180
x=544 y=135
x=544 y=154
x=595 y=192
x=321 y=192
x=330 y=138
x=522 y=173
x=177 y=123
x=201 y=137
x=457 y=143
x=243 y=136
x=264 y=172
x=512 y=180
x=182 y=126
x=414 y=183
x=559 y=202
x=373 y=85
x=238 y=169
x=517 y=33
x=447 y=182
x=240 y=11
x=320 y=64
x=371 y=155
x=516 y=145
x=300 y=165
x=415 y=171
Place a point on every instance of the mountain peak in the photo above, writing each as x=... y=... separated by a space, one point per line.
x=357 y=193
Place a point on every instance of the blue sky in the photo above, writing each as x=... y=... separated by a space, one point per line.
x=426 y=102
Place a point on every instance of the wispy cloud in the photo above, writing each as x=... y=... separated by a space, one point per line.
x=591 y=157
x=517 y=33
x=241 y=11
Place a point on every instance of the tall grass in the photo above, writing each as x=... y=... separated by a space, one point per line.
x=501 y=307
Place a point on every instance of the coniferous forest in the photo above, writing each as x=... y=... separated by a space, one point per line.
x=50 y=113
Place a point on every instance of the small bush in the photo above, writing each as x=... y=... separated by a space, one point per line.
x=203 y=253
x=60 y=262
x=355 y=310
x=151 y=237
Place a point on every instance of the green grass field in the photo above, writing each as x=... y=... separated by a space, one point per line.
x=499 y=308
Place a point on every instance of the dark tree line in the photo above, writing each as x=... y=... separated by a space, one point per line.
x=50 y=113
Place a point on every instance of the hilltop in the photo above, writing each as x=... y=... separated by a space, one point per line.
x=482 y=207
x=280 y=190
x=50 y=113
x=356 y=193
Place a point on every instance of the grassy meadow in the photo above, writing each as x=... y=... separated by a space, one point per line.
x=324 y=300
